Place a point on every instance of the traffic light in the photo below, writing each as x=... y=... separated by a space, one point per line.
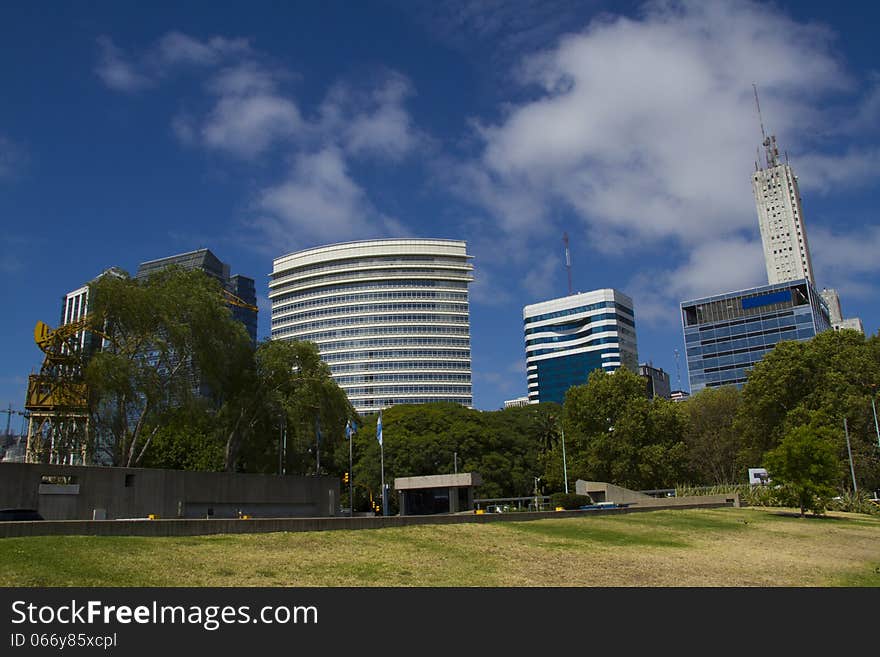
x=345 y=478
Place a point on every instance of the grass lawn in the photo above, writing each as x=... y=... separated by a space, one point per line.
x=723 y=547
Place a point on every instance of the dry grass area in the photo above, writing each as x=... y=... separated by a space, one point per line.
x=724 y=547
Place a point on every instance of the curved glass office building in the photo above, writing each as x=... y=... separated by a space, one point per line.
x=390 y=317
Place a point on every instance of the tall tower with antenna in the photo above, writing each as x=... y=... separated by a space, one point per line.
x=780 y=215
x=567 y=261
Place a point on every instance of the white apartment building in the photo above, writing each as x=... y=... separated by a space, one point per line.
x=781 y=220
x=835 y=312
x=390 y=317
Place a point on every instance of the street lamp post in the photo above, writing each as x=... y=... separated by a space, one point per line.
x=874 y=408
x=564 y=466
x=849 y=451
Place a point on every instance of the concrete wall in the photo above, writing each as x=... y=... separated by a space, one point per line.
x=61 y=492
x=601 y=491
x=200 y=527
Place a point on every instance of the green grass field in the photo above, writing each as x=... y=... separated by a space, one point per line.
x=723 y=547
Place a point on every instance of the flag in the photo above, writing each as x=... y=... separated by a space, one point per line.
x=379 y=429
x=317 y=431
x=348 y=430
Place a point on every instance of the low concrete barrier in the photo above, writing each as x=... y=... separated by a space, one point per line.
x=197 y=527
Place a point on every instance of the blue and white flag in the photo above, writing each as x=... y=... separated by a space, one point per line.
x=349 y=429
x=317 y=431
x=379 y=429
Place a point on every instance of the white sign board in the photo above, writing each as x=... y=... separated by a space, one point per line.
x=758 y=476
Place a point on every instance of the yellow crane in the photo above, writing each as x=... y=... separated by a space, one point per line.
x=57 y=398
x=237 y=301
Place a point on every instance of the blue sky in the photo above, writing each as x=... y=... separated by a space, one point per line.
x=132 y=131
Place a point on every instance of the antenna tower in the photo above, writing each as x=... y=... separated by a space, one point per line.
x=567 y=260
x=760 y=118
x=770 y=149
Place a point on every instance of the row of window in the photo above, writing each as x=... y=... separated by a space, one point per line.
x=364 y=308
x=753 y=329
x=294 y=283
x=609 y=340
x=395 y=378
x=369 y=261
x=377 y=404
x=369 y=296
x=405 y=329
x=396 y=366
x=692 y=333
x=574 y=337
x=409 y=284
x=579 y=309
x=394 y=342
x=572 y=326
x=463 y=389
x=753 y=340
x=375 y=319
x=726 y=377
x=388 y=354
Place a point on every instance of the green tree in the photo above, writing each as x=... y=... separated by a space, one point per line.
x=817 y=382
x=712 y=440
x=167 y=336
x=614 y=433
x=286 y=386
x=502 y=446
x=187 y=439
x=806 y=466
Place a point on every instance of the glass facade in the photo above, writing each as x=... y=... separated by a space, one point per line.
x=568 y=338
x=725 y=335
x=390 y=317
x=204 y=260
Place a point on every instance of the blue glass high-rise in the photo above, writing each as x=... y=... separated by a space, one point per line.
x=727 y=334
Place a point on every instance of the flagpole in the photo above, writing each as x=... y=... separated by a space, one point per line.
x=384 y=501
x=317 y=447
x=382 y=457
x=350 y=472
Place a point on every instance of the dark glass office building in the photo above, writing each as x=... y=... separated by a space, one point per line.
x=239 y=286
x=726 y=334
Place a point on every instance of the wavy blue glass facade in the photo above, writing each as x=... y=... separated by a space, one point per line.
x=569 y=337
x=727 y=334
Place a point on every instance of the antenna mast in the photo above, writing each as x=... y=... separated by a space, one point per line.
x=760 y=118
x=567 y=260
x=771 y=151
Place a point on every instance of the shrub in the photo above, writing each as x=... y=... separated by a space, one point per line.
x=569 y=500
x=854 y=503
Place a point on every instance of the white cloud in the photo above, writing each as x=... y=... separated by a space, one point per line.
x=713 y=267
x=174 y=49
x=644 y=130
x=372 y=123
x=647 y=128
x=11 y=158
x=117 y=71
x=320 y=202
x=542 y=277
x=847 y=261
x=178 y=48
x=827 y=173
x=250 y=115
x=487 y=289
